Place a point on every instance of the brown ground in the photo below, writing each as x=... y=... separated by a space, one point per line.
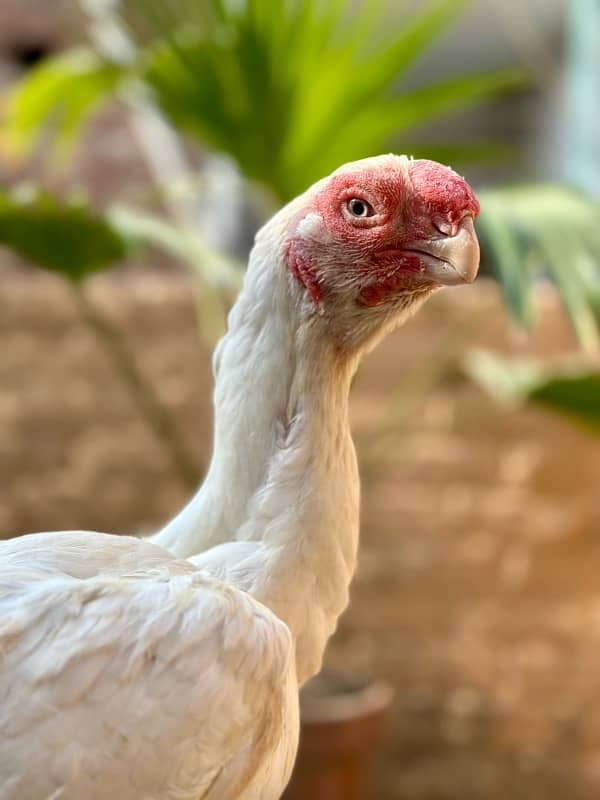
x=478 y=594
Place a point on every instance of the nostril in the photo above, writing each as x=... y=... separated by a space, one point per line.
x=446 y=228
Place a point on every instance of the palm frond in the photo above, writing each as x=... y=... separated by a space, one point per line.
x=63 y=237
x=571 y=389
x=287 y=88
x=60 y=92
x=544 y=230
x=292 y=89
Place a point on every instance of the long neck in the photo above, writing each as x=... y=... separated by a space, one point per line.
x=304 y=515
x=254 y=367
x=278 y=512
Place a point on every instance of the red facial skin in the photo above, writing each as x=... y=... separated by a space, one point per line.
x=304 y=269
x=410 y=200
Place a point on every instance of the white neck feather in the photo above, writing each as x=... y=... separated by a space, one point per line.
x=278 y=511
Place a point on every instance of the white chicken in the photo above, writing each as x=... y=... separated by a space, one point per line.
x=170 y=668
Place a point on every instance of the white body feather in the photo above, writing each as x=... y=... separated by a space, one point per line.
x=129 y=674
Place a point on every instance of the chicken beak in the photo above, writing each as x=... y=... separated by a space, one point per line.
x=452 y=260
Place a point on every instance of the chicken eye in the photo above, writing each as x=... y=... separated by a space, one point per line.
x=360 y=208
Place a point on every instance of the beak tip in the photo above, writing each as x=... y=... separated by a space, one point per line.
x=468 y=257
x=470 y=273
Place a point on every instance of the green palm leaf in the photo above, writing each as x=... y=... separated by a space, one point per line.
x=548 y=230
x=573 y=390
x=67 y=238
x=290 y=90
x=61 y=91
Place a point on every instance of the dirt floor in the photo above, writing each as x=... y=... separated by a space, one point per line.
x=478 y=593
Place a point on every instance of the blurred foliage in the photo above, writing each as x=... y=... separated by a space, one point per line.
x=530 y=231
x=62 y=237
x=291 y=90
x=141 y=228
x=61 y=91
x=68 y=238
x=571 y=389
x=288 y=89
x=218 y=277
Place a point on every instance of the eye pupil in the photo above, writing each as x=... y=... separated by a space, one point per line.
x=358 y=208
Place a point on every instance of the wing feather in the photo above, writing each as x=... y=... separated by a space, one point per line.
x=138 y=678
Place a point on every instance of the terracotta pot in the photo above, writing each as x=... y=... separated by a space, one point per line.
x=342 y=724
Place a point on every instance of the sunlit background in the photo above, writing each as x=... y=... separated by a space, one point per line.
x=141 y=145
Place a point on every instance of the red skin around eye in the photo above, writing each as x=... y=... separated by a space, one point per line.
x=387 y=186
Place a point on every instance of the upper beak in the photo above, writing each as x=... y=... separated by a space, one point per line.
x=451 y=260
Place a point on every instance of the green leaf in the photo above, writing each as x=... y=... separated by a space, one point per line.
x=400 y=114
x=595 y=302
x=61 y=93
x=419 y=31
x=288 y=88
x=451 y=95
x=351 y=81
x=536 y=231
x=507 y=380
x=292 y=88
x=571 y=390
x=513 y=277
x=66 y=238
x=577 y=395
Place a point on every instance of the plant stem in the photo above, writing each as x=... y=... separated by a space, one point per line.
x=149 y=405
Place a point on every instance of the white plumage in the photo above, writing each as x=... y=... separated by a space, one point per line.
x=127 y=673
x=170 y=668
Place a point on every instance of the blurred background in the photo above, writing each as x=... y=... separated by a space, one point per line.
x=141 y=145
